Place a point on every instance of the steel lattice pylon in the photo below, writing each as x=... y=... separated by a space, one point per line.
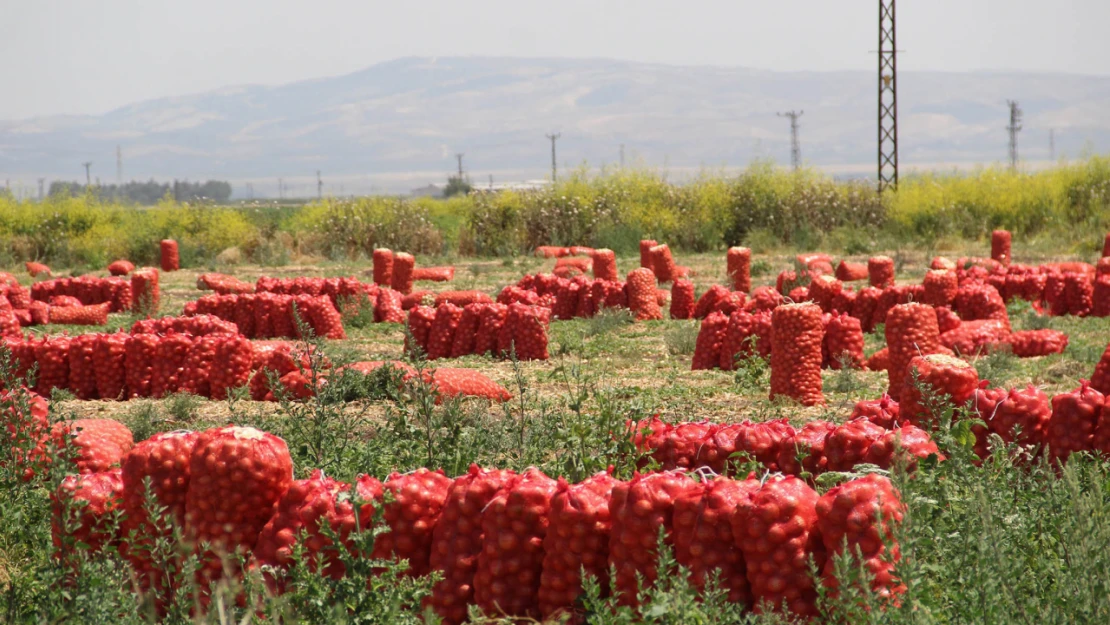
x=888 y=97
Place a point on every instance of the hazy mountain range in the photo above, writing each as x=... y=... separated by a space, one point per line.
x=399 y=124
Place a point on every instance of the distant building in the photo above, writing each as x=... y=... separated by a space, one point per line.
x=431 y=190
x=498 y=187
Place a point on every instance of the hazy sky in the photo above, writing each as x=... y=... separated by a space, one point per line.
x=89 y=57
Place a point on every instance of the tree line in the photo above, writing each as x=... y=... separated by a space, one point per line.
x=149 y=192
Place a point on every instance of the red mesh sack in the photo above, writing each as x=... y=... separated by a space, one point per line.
x=52 y=356
x=94 y=445
x=797 y=336
x=451 y=382
x=388 y=308
x=528 y=325
x=169 y=364
x=739 y=264
x=383 y=267
x=867 y=301
x=843 y=342
x=709 y=300
x=141 y=352
x=83 y=510
x=682 y=299
x=911 y=330
x=420 y=324
x=163 y=459
x=662 y=263
x=716 y=449
x=145 y=295
x=467 y=330
x=848 y=444
x=880 y=271
x=764 y=298
x=489 y=328
x=949 y=379
x=1000 y=246
x=170 y=259
x=641 y=295
x=301 y=512
x=776 y=530
x=941 y=287
x=402 y=279
x=681 y=445
x=36 y=269
x=858 y=518
x=808 y=444
x=514 y=526
x=763 y=442
x=851 y=272
x=605 y=265
x=236 y=477
x=433 y=274
x=458 y=540
x=883 y=412
x=703 y=541
x=981 y=301
x=823 y=290
x=1071 y=427
x=109 y=365
x=972 y=338
x=234 y=357
x=577 y=538
x=740 y=339
x=441 y=335
x=1022 y=417
x=417 y=501
x=646 y=259
x=907 y=444
x=639 y=509
x=711 y=335
x=82 y=368
x=1033 y=343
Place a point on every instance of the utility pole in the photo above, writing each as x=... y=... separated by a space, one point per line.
x=1052 y=144
x=458 y=157
x=795 y=147
x=622 y=156
x=554 y=171
x=888 y=97
x=42 y=181
x=1013 y=129
x=119 y=167
x=491 y=181
x=319 y=186
x=250 y=191
x=88 y=179
x=281 y=190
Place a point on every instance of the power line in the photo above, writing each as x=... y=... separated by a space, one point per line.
x=795 y=147
x=1014 y=128
x=888 y=97
x=554 y=171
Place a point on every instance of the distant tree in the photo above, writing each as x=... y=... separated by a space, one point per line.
x=457 y=185
x=149 y=192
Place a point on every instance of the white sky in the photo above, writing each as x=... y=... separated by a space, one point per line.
x=89 y=57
